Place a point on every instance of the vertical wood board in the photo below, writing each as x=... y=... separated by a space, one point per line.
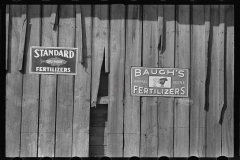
x=116 y=81
x=65 y=86
x=82 y=83
x=228 y=110
x=149 y=133
x=182 y=60
x=30 y=99
x=166 y=59
x=197 y=83
x=100 y=47
x=46 y=139
x=213 y=138
x=132 y=104
x=13 y=85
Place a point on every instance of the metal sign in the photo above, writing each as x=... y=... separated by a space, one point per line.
x=53 y=60
x=169 y=82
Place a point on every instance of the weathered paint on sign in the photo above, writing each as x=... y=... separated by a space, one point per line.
x=53 y=60
x=171 y=82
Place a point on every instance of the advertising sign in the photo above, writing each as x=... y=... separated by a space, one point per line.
x=168 y=82
x=53 y=60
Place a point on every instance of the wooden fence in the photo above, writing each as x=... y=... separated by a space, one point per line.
x=93 y=113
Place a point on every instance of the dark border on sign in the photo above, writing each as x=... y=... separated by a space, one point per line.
x=187 y=96
x=30 y=61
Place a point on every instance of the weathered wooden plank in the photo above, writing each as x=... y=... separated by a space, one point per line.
x=132 y=104
x=30 y=99
x=213 y=127
x=149 y=136
x=182 y=60
x=8 y=24
x=22 y=37
x=13 y=85
x=82 y=83
x=228 y=110
x=47 y=108
x=198 y=81
x=166 y=22
x=65 y=86
x=116 y=82
x=100 y=46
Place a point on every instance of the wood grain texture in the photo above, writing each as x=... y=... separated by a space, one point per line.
x=30 y=99
x=166 y=19
x=213 y=115
x=198 y=82
x=182 y=60
x=149 y=128
x=82 y=87
x=132 y=104
x=7 y=35
x=13 y=86
x=46 y=139
x=116 y=82
x=65 y=86
x=22 y=36
x=228 y=110
x=207 y=35
x=99 y=47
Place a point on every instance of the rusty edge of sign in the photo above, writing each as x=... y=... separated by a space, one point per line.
x=22 y=37
x=30 y=61
x=160 y=95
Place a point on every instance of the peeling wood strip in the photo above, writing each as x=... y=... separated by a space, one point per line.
x=166 y=59
x=13 y=86
x=22 y=36
x=54 y=19
x=30 y=98
x=198 y=82
x=46 y=139
x=160 y=28
x=182 y=60
x=131 y=103
x=116 y=82
x=79 y=37
x=149 y=124
x=7 y=35
x=65 y=95
x=100 y=44
x=228 y=110
x=106 y=49
x=82 y=86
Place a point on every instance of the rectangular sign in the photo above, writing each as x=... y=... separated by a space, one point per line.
x=53 y=60
x=169 y=82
